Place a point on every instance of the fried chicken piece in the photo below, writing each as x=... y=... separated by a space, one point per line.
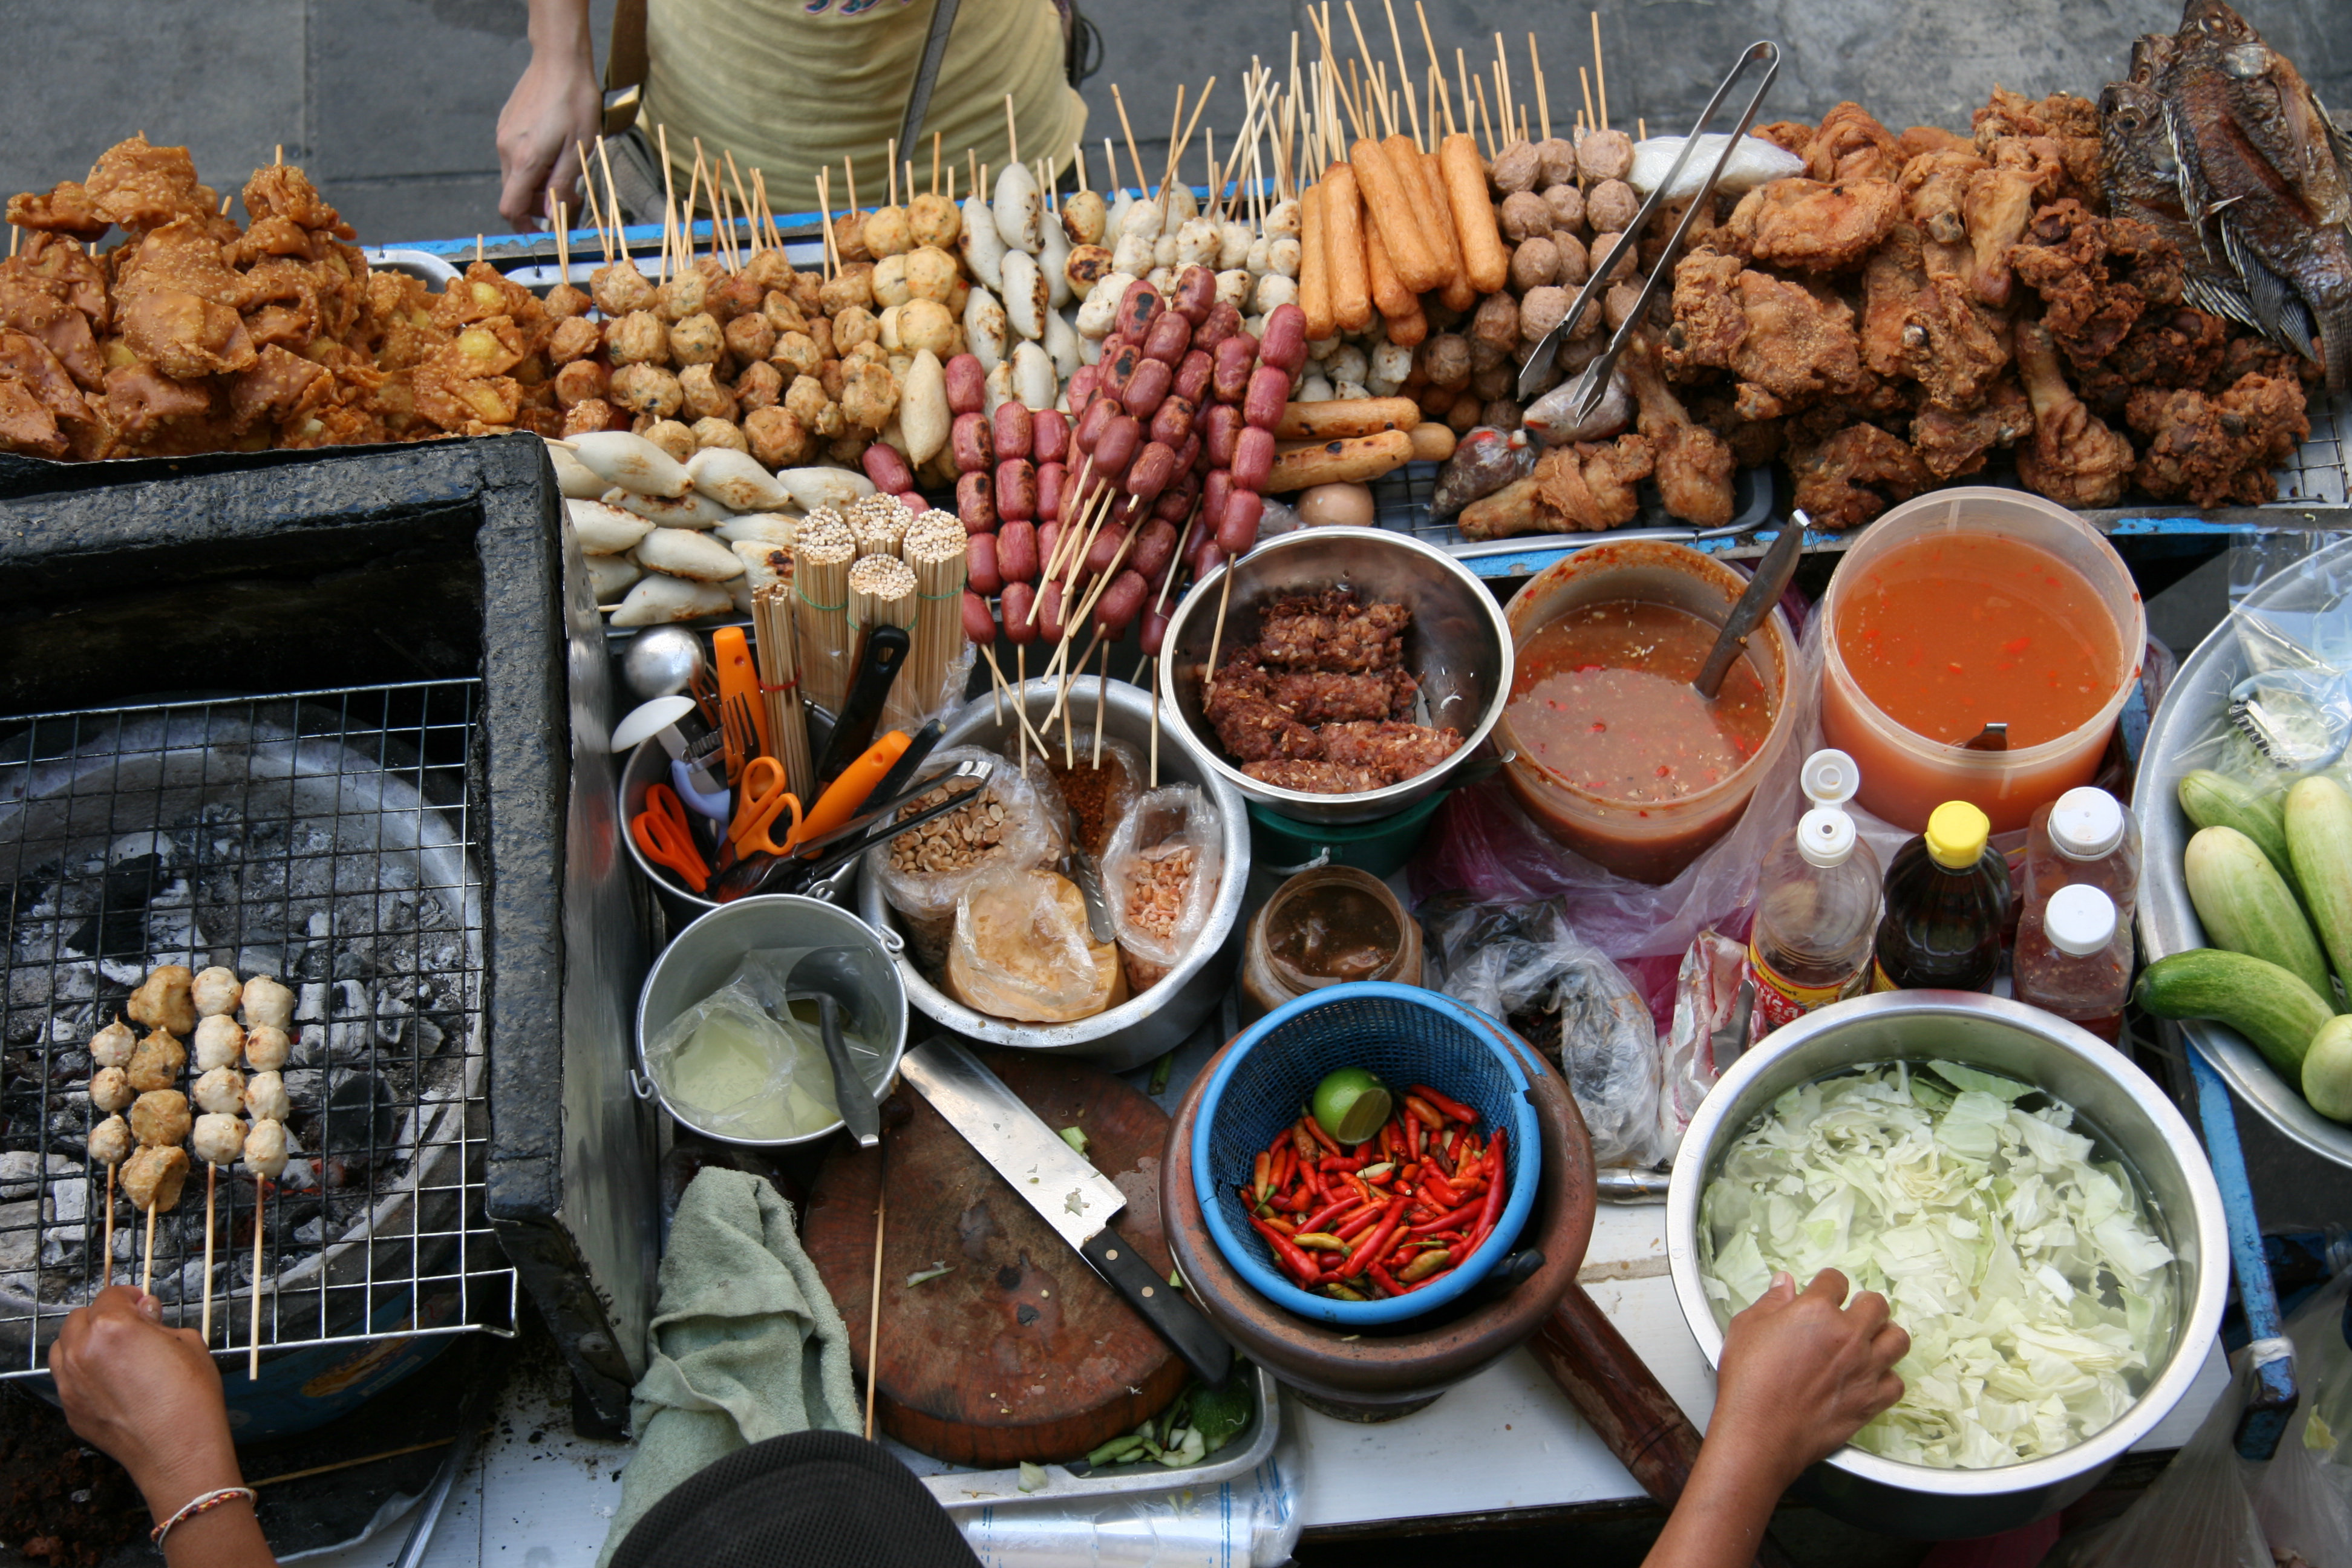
x=1253 y=730
x=2025 y=172
x=1813 y=226
x=1851 y=477
x=1317 y=777
x=1788 y=344
x=1398 y=752
x=2250 y=353
x=2063 y=256
x=2073 y=459
x=1917 y=141
x=63 y=208
x=1586 y=487
x=2067 y=124
x=26 y=424
x=2179 y=347
x=465 y=382
x=1920 y=325
x=143 y=186
x=1935 y=188
x=1792 y=135
x=1952 y=444
x=2218 y=451
x=1852 y=145
x=1693 y=464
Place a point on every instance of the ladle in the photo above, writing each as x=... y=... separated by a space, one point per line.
x=828 y=976
x=1763 y=592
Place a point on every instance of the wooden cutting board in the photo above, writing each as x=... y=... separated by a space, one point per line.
x=1021 y=1352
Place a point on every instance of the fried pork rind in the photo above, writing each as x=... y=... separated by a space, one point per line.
x=65 y=208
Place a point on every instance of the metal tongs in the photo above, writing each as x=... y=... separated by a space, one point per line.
x=1593 y=380
x=818 y=867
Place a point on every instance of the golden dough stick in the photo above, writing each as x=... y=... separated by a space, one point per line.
x=1314 y=269
x=1482 y=256
x=1385 y=197
x=1459 y=293
x=1390 y=298
x=1404 y=157
x=1343 y=249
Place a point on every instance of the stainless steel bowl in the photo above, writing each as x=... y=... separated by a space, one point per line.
x=648 y=765
x=705 y=954
x=1459 y=649
x=2117 y=1103
x=2177 y=744
x=1163 y=1017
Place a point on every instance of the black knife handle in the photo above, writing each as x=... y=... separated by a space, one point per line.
x=1163 y=1306
x=877 y=666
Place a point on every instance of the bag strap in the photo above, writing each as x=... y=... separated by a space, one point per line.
x=625 y=66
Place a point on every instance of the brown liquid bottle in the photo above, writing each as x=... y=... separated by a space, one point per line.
x=1946 y=897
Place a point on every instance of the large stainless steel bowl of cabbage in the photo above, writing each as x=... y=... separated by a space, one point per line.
x=2039 y=1215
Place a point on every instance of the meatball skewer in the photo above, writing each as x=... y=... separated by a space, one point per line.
x=109 y=1145
x=265 y=1157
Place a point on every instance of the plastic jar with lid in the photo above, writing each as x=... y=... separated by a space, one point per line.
x=1331 y=924
x=2075 y=960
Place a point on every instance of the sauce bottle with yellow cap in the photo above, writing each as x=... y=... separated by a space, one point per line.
x=1946 y=897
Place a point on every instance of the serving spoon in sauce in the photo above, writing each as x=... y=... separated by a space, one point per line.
x=1764 y=590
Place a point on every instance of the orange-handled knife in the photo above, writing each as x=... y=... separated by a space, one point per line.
x=842 y=800
x=739 y=677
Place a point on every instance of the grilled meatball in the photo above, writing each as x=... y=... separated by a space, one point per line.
x=219 y=1040
x=216 y=991
x=162 y=1002
x=265 y=1149
x=112 y=1047
x=267 y=1002
x=157 y=1062
x=221 y=1091
x=152 y=1177
x=159 y=1119
x=217 y=1139
x=109 y=1089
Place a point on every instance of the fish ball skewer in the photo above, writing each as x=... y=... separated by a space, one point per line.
x=267 y=1002
x=112 y=1045
x=216 y=991
x=163 y=1000
x=265 y=1157
x=110 y=1090
x=217 y=1139
x=220 y=1040
x=221 y=1091
x=110 y=1144
x=151 y=1179
x=264 y=1097
x=267 y=1047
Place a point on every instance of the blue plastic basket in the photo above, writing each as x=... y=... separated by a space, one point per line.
x=1404 y=1034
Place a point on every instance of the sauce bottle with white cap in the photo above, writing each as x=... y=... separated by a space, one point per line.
x=1816 y=904
x=2084 y=839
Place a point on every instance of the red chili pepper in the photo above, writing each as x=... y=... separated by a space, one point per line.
x=1307 y=1149
x=1427 y=1264
x=1494 y=1207
x=1329 y=1212
x=1342 y=1163
x=1420 y=1139
x=1281 y=1141
x=1449 y=1220
x=1315 y=1130
x=1389 y=1139
x=1386 y=1281
x=1377 y=1244
x=1290 y=1203
x=1424 y=1112
x=1262 y=1176
x=1302 y=1267
x=1453 y=1109
x=1356 y=1223
x=1468 y=1164
x=1433 y=1186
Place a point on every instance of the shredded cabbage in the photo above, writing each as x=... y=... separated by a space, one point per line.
x=2037 y=1298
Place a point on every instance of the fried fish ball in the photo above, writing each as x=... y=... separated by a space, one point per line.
x=264 y=1097
x=931 y=274
x=265 y=1048
x=696 y=339
x=646 y=389
x=163 y=1001
x=110 y=1090
x=638 y=338
x=670 y=436
x=712 y=431
x=887 y=232
x=151 y=1179
x=686 y=294
x=265 y=1149
x=221 y=1091
x=219 y=1041
x=619 y=288
x=267 y=1002
x=216 y=991
x=156 y=1063
x=933 y=220
x=112 y=1047
x=159 y=1119
x=110 y=1143
x=217 y=1139
x=778 y=438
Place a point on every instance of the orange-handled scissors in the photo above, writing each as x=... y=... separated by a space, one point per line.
x=759 y=798
x=661 y=831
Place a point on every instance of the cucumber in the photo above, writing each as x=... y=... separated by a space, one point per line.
x=2246 y=908
x=2319 y=838
x=2263 y=1002
x=2216 y=800
x=2327 y=1070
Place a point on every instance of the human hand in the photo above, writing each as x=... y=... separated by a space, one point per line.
x=146 y=1395
x=1801 y=1373
x=555 y=108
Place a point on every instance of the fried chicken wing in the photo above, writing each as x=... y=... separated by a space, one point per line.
x=2073 y=459
x=1849 y=477
x=1852 y=145
x=1693 y=464
x=2218 y=451
x=1935 y=187
x=1813 y=226
x=2000 y=202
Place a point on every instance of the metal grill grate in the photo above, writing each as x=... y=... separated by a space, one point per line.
x=324 y=837
x=2315 y=475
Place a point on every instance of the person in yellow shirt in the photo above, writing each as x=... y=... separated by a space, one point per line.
x=789 y=86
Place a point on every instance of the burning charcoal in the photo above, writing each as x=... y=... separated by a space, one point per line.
x=118 y=926
x=362 y=1114
x=20 y=1173
x=312 y=1006
x=354 y=964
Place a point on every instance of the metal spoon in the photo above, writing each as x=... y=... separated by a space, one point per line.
x=829 y=977
x=1764 y=590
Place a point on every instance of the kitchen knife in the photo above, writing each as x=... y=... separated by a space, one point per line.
x=1068 y=1193
x=879 y=663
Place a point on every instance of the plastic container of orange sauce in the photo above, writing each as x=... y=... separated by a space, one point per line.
x=1975 y=607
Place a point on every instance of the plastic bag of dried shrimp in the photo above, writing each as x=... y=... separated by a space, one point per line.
x=1160 y=872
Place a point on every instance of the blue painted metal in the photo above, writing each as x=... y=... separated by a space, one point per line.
x=2271 y=1391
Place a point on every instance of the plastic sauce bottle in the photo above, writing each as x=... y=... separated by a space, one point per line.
x=2084 y=839
x=2074 y=959
x=1946 y=895
x=1816 y=904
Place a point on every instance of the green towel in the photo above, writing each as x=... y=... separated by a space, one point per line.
x=745 y=1343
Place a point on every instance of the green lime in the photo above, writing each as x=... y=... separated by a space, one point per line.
x=1350 y=1104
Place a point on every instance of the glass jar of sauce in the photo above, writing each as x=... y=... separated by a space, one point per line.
x=1325 y=927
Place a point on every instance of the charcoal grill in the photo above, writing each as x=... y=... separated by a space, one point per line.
x=338 y=717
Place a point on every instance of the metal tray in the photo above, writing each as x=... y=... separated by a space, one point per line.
x=2167 y=921
x=959 y=1488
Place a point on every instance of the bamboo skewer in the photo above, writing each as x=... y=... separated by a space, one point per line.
x=933 y=550
x=881 y=593
x=1505 y=102
x=253 y=1340
x=821 y=554
x=1492 y=151
x=777 y=654
x=1584 y=79
x=1102 y=706
x=873 y=1313
x=1021 y=701
x=612 y=198
x=111 y=1166
x=1600 y=73
x=562 y=246
x=1543 y=98
x=669 y=203
x=212 y=1186
x=1020 y=709
x=147 y=1267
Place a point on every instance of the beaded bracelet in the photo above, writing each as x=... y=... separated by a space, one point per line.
x=205 y=1503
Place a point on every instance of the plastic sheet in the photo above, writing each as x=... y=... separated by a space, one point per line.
x=2195 y=1515
x=1170 y=831
x=2299 y=643
x=734 y=1069
x=1523 y=965
x=1253 y=1520
x=1021 y=949
x=1707 y=994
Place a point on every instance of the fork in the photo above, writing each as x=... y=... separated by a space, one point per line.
x=743 y=732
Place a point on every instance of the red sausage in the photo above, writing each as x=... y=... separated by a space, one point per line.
x=1196 y=294
x=1149 y=384
x=1235 y=359
x=1254 y=458
x=1099 y=414
x=1115 y=448
x=1190 y=455
x=1155 y=632
x=1050 y=432
x=1171 y=334
x=979 y=566
x=887 y=469
x=976 y=503
x=1196 y=377
x=1221 y=427
x=1051 y=479
x=977 y=623
x=974 y=447
x=1284 y=344
x=1215 y=491
x=1152 y=550
x=1238 y=532
x=1138 y=309
x=966 y=384
x=913 y=501
x=1116 y=368
x=1269 y=389
x=1049 y=536
x=1016 y=552
x=1011 y=428
x=1128 y=510
x=1082 y=383
x=1175 y=502
x=1204 y=556
x=1106 y=546
x=1016 y=600
x=1049 y=611
x=1121 y=602
x=1153 y=471
x=1173 y=422
x=1017 y=489
x=1225 y=321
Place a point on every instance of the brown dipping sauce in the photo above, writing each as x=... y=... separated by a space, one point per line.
x=1334 y=932
x=1602 y=699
